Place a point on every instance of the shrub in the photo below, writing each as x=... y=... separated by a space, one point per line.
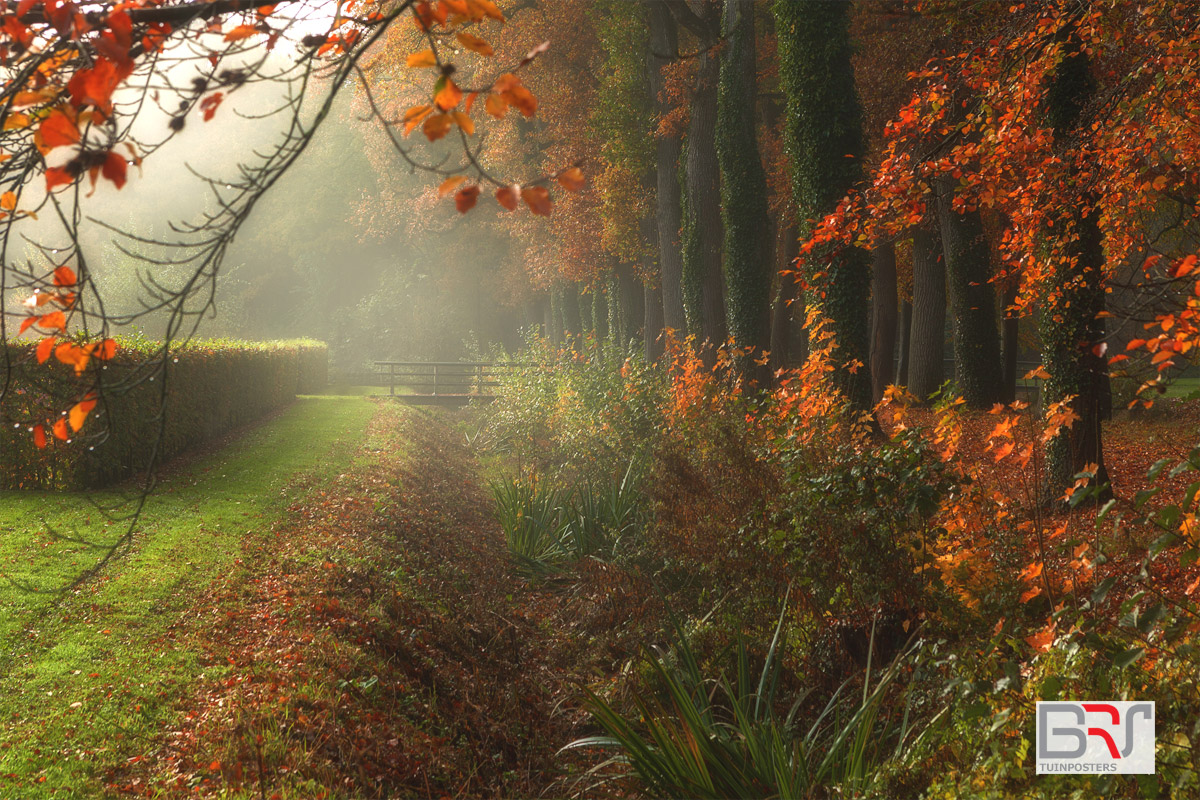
x=148 y=411
x=545 y=527
x=704 y=738
x=586 y=411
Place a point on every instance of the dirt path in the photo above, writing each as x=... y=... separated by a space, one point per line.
x=383 y=647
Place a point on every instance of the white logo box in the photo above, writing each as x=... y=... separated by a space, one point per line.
x=1097 y=737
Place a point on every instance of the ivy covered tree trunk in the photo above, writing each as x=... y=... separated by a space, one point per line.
x=972 y=300
x=744 y=212
x=787 y=247
x=702 y=226
x=883 y=320
x=823 y=136
x=1068 y=324
x=927 y=339
x=668 y=209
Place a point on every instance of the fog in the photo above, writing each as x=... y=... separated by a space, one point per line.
x=350 y=246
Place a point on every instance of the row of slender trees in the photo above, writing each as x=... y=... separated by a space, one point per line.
x=723 y=257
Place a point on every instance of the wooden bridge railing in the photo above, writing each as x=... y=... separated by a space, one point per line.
x=441 y=379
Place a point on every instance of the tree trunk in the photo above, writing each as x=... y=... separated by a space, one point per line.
x=1068 y=324
x=903 y=335
x=664 y=42
x=927 y=341
x=972 y=300
x=883 y=320
x=652 y=330
x=823 y=136
x=744 y=212
x=1009 y=344
x=702 y=227
x=788 y=247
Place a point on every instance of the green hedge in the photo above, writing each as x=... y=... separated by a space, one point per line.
x=212 y=387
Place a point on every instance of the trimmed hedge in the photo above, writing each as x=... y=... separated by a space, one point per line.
x=212 y=387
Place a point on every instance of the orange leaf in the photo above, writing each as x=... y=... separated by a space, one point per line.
x=425 y=58
x=64 y=276
x=496 y=105
x=39 y=436
x=241 y=32
x=79 y=413
x=484 y=8
x=465 y=200
x=1040 y=373
x=507 y=197
x=522 y=99
x=44 y=348
x=475 y=44
x=1002 y=451
x=60 y=430
x=571 y=179
x=413 y=117
x=470 y=101
x=58 y=130
x=450 y=184
x=464 y=122
x=53 y=320
x=1030 y=593
x=8 y=201
x=437 y=126
x=1032 y=571
x=538 y=199
x=105 y=350
x=448 y=96
x=1042 y=640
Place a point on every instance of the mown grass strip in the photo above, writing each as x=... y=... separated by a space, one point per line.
x=88 y=675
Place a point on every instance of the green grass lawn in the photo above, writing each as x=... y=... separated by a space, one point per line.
x=89 y=664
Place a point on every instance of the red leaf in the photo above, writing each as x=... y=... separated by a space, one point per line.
x=60 y=430
x=466 y=197
x=57 y=176
x=39 y=435
x=58 y=130
x=64 y=276
x=538 y=199
x=114 y=169
x=571 y=179
x=507 y=197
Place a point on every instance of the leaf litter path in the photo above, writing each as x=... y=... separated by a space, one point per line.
x=382 y=646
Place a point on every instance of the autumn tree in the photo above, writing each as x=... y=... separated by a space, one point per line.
x=824 y=140
x=91 y=92
x=747 y=249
